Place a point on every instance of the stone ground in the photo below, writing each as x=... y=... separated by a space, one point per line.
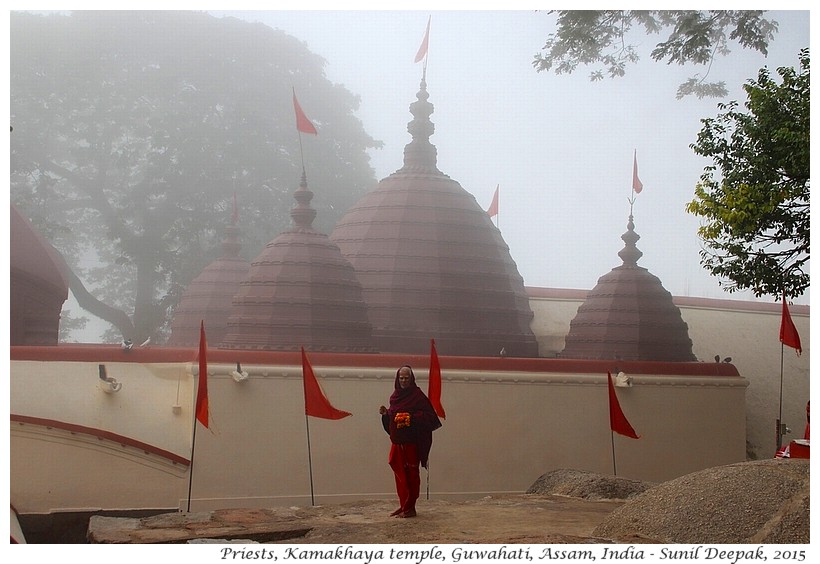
x=522 y=518
x=762 y=502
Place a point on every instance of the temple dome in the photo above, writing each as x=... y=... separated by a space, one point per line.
x=629 y=315
x=431 y=263
x=300 y=292
x=209 y=296
x=38 y=285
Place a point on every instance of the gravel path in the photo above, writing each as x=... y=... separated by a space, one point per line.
x=760 y=502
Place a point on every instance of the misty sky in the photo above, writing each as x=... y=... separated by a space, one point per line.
x=559 y=147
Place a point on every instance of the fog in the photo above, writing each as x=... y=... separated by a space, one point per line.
x=559 y=147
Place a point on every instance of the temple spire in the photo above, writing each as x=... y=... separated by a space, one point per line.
x=420 y=153
x=302 y=214
x=629 y=315
x=630 y=253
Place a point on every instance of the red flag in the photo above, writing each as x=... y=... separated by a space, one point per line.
x=316 y=403
x=424 y=43
x=493 y=209
x=434 y=385
x=637 y=185
x=788 y=332
x=617 y=420
x=303 y=124
x=202 y=388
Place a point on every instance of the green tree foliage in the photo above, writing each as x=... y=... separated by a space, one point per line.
x=694 y=36
x=133 y=130
x=755 y=198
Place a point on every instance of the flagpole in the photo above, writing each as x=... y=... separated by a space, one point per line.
x=200 y=403
x=316 y=405
x=790 y=337
x=779 y=434
x=434 y=393
x=307 y=429
x=617 y=421
x=310 y=463
x=637 y=185
x=631 y=198
x=492 y=211
x=612 y=441
x=424 y=48
x=301 y=153
x=191 y=467
x=780 y=408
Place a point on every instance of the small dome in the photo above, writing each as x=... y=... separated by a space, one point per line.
x=38 y=285
x=431 y=262
x=209 y=296
x=300 y=292
x=629 y=315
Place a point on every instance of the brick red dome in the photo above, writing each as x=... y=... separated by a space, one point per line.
x=629 y=315
x=300 y=291
x=431 y=263
x=38 y=286
x=209 y=296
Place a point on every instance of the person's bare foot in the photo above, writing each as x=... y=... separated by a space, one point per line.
x=408 y=514
x=396 y=513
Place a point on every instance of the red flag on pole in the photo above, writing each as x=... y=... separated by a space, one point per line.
x=434 y=385
x=617 y=420
x=202 y=388
x=422 y=52
x=493 y=209
x=637 y=185
x=788 y=332
x=303 y=124
x=316 y=403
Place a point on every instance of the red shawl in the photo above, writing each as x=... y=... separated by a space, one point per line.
x=413 y=401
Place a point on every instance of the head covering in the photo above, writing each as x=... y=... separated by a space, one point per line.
x=412 y=400
x=404 y=399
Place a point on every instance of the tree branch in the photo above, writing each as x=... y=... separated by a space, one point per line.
x=88 y=302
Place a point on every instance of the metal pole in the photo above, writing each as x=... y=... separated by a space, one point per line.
x=310 y=463
x=191 y=467
x=780 y=409
x=614 y=467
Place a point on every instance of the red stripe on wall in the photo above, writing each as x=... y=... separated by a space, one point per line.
x=100 y=434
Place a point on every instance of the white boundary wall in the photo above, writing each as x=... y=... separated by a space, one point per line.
x=747 y=332
x=505 y=427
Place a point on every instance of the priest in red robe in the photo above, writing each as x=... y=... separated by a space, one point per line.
x=410 y=421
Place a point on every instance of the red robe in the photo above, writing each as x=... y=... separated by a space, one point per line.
x=422 y=419
x=410 y=421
